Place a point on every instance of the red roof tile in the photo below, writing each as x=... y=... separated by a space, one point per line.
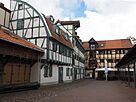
x=60 y=38
x=111 y=44
x=10 y=37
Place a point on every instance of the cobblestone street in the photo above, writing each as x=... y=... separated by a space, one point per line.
x=79 y=91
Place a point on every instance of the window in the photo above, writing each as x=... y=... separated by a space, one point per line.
x=117 y=51
x=97 y=52
x=92 y=47
x=60 y=49
x=69 y=53
x=126 y=51
x=65 y=51
x=71 y=71
x=54 y=46
x=48 y=71
x=57 y=30
x=20 y=6
x=20 y=24
x=68 y=72
x=51 y=18
x=66 y=36
x=109 y=52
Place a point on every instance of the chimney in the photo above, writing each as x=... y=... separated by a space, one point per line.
x=1 y=4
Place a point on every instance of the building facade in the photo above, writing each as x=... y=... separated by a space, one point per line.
x=127 y=68
x=53 y=36
x=97 y=52
x=78 y=50
x=19 y=59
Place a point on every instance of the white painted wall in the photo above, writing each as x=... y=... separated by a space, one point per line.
x=50 y=80
x=4 y=16
x=66 y=78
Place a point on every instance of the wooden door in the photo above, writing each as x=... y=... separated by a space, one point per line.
x=22 y=73
x=15 y=74
x=27 y=73
x=7 y=73
x=60 y=76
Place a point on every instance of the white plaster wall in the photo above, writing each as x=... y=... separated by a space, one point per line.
x=66 y=78
x=2 y=14
x=50 y=80
x=7 y=19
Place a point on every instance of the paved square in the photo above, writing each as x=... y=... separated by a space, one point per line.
x=79 y=91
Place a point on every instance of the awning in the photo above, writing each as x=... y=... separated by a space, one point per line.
x=103 y=69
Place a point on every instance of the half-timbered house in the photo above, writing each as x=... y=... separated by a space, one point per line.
x=53 y=37
x=78 y=50
x=97 y=52
x=19 y=59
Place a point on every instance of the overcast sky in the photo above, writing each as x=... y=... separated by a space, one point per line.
x=101 y=19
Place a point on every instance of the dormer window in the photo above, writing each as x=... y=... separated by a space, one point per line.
x=92 y=47
x=57 y=30
x=20 y=6
x=66 y=36
x=52 y=19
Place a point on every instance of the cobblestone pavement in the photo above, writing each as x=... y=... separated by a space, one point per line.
x=79 y=91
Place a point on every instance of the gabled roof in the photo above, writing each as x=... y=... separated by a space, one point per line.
x=60 y=38
x=92 y=41
x=6 y=35
x=111 y=44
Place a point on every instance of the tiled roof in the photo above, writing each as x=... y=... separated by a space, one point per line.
x=12 y=38
x=86 y=45
x=111 y=44
x=60 y=38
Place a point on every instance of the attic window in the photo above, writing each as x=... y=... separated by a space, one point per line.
x=20 y=6
x=57 y=30
x=66 y=36
x=102 y=45
x=92 y=47
x=51 y=19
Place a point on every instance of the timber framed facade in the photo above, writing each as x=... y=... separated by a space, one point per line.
x=78 y=50
x=54 y=37
x=99 y=51
x=19 y=59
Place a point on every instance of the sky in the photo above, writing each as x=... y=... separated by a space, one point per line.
x=100 y=19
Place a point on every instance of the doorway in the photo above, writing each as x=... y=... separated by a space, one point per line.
x=60 y=74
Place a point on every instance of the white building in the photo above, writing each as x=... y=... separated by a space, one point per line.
x=78 y=50
x=56 y=64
